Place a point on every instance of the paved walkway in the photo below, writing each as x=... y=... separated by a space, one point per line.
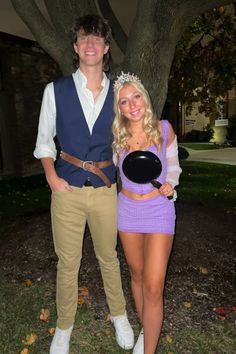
x=222 y=155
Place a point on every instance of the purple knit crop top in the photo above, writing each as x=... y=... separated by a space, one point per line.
x=147 y=187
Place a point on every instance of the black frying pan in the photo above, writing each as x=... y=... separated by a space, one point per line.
x=143 y=167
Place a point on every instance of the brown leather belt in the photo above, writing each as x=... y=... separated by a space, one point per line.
x=91 y=166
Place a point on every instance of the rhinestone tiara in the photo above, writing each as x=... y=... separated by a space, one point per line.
x=125 y=77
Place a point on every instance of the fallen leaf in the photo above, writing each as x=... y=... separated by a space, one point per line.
x=196 y=292
x=81 y=300
x=44 y=315
x=107 y=332
x=51 y=331
x=187 y=305
x=24 y=351
x=108 y=318
x=169 y=339
x=27 y=282
x=203 y=270
x=83 y=291
x=98 y=334
x=221 y=312
x=30 y=339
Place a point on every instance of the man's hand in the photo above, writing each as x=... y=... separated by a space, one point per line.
x=58 y=184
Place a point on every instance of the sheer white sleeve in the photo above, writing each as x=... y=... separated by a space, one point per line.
x=173 y=167
x=115 y=160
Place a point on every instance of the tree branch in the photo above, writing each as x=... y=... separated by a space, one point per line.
x=118 y=32
x=34 y=19
x=63 y=13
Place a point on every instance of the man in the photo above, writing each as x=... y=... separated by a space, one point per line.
x=78 y=110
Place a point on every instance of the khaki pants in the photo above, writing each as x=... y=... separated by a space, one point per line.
x=69 y=212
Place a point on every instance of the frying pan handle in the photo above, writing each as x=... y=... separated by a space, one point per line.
x=157 y=184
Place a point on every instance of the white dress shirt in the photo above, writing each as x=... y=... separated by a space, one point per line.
x=45 y=146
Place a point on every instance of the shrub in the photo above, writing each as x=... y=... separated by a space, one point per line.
x=202 y=136
x=183 y=153
x=231 y=131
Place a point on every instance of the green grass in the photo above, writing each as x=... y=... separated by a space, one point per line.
x=208 y=184
x=217 y=339
x=201 y=182
x=200 y=146
x=20 y=310
x=23 y=197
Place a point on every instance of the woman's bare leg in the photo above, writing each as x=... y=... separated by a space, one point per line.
x=133 y=245
x=157 y=248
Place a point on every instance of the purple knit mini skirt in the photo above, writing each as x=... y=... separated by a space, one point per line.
x=154 y=215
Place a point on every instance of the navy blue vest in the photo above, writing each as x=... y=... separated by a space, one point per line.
x=74 y=136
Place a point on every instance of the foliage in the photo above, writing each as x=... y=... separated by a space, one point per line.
x=204 y=67
x=183 y=153
x=231 y=131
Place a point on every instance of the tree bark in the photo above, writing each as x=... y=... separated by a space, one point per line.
x=119 y=34
x=54 y=35
x=157 y=28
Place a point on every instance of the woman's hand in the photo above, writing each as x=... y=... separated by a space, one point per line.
x=166 y=189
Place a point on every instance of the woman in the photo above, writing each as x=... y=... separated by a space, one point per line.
x=146 y=217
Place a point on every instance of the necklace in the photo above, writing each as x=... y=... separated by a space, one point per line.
x=138 y=140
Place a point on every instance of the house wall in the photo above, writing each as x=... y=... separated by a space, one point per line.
x=24 y=71
x=198 y=121
x=194 y=120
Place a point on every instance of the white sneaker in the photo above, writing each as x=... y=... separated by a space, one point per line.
x=124 y=332
x=139 y=346
x=61 y=341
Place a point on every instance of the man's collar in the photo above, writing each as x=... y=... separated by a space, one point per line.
x=83 y=79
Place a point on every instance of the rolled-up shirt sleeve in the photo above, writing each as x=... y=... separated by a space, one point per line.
x=45 y=145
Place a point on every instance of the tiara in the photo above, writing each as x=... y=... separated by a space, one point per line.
x=125 y=78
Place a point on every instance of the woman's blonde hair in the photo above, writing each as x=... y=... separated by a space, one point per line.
x=120 y=124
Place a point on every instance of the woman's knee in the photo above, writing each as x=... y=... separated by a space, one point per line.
x=153 y=291
x=136 y=274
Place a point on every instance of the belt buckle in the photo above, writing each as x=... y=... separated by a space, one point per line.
x=85 y=163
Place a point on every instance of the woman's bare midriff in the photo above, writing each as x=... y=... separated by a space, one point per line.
x=137 y=196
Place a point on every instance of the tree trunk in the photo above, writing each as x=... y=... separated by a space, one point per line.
x=157 y=27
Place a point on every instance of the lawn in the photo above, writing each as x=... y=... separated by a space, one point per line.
x=200 y=182
x=23 y=332
x=212 y=185
x=23 y=197
x=208 y=184
x=201 y=146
